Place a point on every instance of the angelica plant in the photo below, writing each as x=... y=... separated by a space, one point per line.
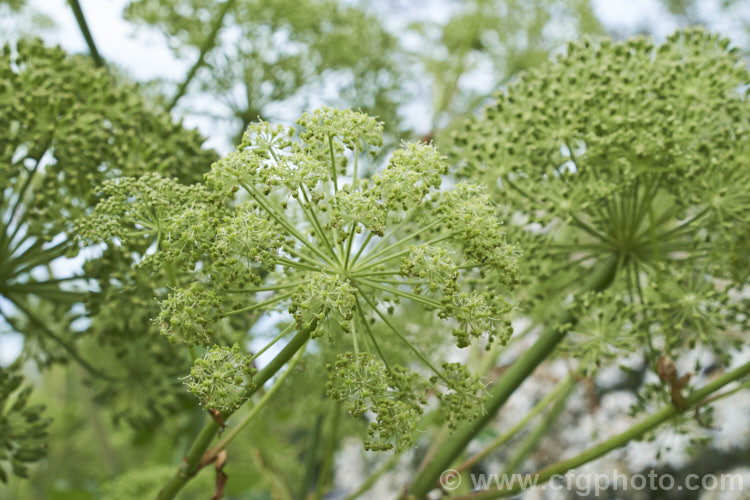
x=23 y=428
x=622 y=168
x=52 y=161
x=638 y=163
x=68 y=126
x=290 y=224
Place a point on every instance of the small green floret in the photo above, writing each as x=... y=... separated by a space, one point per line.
x=222 y=378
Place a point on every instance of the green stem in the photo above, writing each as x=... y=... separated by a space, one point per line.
x=12 y=212
x=370 y=481
x=259 y=305
x=270 y=288
x=377 y=254
x=590 y=230
x=635 y=432
x=678 y=228
x=334 y=174
x=276 y=339
x=299 y=265
x=350 y=240
x=367 y=328
x=531 y=441
x=192 y=461
x=393 y=232
x=84 y=27
x=208 y=44
x=403 y=339
x=402 y=293
x=513 y=377
x=283 y=221
x=313 y=219
x=559 y=389
x=376 y=273
x=307 y=258
x=355 y=178
x=37 y=255
x=376 y=263
x=362 y=247
x=45 y=330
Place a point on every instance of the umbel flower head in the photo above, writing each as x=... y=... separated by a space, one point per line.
x=69 y=126
x=633 y=156
x=290 y=223
x=221 y=378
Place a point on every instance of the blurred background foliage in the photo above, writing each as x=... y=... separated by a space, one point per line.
x=108 y=380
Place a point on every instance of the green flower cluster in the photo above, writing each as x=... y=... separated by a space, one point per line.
x=23 y=429
x=69 y=126
x=630 y=155
x=325 y=299
x=603 y=329
x=188 y=314
x=362 y=383
x=463 y=399
x=221 y=378
x=330 y=238
x=135 y=210
x=288 y=222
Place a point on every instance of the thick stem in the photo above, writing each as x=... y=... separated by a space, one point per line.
x=513 y=377
x=697 y=398
x=192 y=461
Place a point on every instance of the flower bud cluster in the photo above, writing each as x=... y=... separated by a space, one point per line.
x=188 y=315
x=288 y=222
x=222 y=378
x=396 y=396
